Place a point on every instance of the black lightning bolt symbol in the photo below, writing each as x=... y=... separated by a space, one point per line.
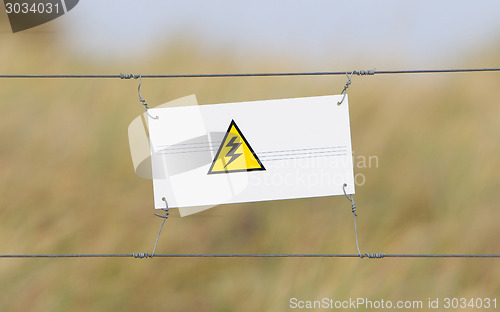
x=234 y=147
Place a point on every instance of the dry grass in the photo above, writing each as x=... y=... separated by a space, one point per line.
x=67 y=186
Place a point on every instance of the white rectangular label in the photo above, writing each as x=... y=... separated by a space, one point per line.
x=251 y=151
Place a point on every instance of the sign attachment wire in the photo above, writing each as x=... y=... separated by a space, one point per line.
x=353 y=208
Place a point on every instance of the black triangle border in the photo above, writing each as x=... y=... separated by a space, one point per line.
x=233 y=123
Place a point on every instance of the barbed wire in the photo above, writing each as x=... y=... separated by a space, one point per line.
x=369 y=72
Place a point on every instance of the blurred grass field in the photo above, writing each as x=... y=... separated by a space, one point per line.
x=67 y=186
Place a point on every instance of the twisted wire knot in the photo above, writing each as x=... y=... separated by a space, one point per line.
x=167 y=213
x=366 y=72
x=373 y=255
x=142 y=255
x=128 y=76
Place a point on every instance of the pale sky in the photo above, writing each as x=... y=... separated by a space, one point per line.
x=420 y=33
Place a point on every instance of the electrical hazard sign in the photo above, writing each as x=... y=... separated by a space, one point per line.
x=235 y=154
x=205 y=155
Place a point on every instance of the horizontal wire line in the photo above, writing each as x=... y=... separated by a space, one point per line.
x=369 y=72
x=249 y=256
x=324 y=73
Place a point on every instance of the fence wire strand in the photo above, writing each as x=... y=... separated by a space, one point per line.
x=135 y=255
x=322 y=73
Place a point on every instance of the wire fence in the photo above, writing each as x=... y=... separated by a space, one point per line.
x=323 y=73
x=146 y=255
x=229 y=75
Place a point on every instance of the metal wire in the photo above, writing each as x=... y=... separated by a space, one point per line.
x=165 y=217
x=141 y=99
x=136 y=255
x=347 y=84
x=353 y=209
x=324 y=73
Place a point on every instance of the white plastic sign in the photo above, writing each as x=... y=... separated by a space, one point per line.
x=250 y=151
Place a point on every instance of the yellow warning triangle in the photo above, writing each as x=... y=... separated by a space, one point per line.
x=235 y=154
